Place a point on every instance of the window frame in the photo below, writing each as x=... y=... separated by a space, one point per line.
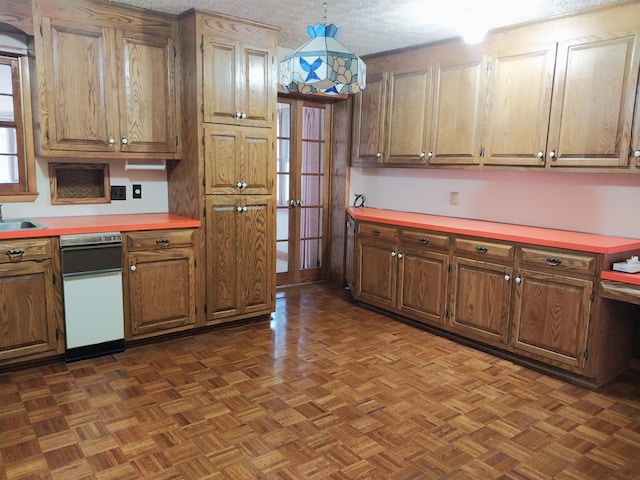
x=26 y=189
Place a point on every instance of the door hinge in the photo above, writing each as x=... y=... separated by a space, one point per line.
x=592 y=297
x=57 y=333
x=177 y=141
x=195 y=264
x=205 y=308
x=201 y=47
x=204 y=181
x=204 y=212
x=175 y=52
x=482 y=151
x=202 y=108
x=446 y=313
x=41 y=31
x=449 y=268
x=46 y=134
x=196 y=309
x=586 y=354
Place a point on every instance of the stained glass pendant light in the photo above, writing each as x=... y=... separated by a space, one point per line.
x=323 y=64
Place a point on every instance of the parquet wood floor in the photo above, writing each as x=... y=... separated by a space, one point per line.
x=326 y=390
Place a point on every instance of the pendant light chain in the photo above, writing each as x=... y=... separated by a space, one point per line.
x=325 y=12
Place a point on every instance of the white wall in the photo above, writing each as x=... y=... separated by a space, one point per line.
x=607 y=204
x=155 y=197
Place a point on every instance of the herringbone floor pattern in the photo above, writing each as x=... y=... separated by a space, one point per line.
x=327 y=390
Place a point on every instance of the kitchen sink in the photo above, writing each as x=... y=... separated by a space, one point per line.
x=23 y=224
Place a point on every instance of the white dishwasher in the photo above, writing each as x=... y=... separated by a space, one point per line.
x=92 y=289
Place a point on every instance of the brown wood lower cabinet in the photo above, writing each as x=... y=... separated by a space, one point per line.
x=159 y=282
x=30 y=300
x=240 y=249
x=408 y=276
x=534 y=303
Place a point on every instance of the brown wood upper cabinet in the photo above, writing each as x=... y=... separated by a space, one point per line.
x=580 y=117
x=104 y=88
x=238 y=82
x=554 y=95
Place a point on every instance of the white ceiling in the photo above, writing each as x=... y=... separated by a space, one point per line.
x=372 y=26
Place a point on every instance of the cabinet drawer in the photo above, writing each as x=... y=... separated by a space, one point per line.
x=421 y=238
x=622 y=292
x=24 y=250
x=157 y=239
x=478 y=248
x=562 y=261
x=375 y=230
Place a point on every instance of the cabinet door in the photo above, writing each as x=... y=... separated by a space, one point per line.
x=239 y=160
x=219 y=69
x=222 y=250
x=256 y=87
x=369 y=121
x=257 y=254
x=147 y=93
x=481 y=300
x=518 y=105
x=551 y=317
x=422 y=285
x=376 y=277
x=29 y=315
x=409 y=113
x=161 y=287
x=457 y=115
x=593 y=99
x=78 y=94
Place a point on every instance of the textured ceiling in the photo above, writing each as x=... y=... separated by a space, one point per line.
x=372 y=26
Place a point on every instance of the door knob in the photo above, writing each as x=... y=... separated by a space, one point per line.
x=133 y=268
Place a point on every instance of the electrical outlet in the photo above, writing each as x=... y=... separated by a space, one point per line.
x=118 y=192
x=454 y=198
x=137 y=190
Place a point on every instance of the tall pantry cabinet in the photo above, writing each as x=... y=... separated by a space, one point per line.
x=227 y=175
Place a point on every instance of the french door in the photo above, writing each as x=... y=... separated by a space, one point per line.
x=303 y=155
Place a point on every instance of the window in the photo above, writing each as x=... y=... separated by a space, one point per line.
x=12 y=152
x=17 y=159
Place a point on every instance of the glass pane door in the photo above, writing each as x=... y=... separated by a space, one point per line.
x=303 y=158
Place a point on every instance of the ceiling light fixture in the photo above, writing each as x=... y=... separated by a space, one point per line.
x=323 y=64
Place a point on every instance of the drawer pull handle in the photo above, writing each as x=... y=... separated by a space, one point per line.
x=163 y=241
x=14 y=253
x=375 y=231
x=554 y=262
x=423 y=240
x=482 y=249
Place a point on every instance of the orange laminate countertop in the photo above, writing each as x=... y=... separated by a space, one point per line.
x=586 y=242
x=102 y=223
x=631 y=278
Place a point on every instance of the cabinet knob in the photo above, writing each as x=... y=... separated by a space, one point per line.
x=400 y=255
x=244 y=115
x=552 y=154
x=507 y=278
x=518 y=279
x=238 y=184
x=244 y=185
x=239 y=209
x=238 y=114
x=124 y=140
x=244 y=209
x=636 y=154
x=422 y=155
x=393 y=253
x=379 y=154
x=112 y=141
x=540 y=154
x=430 y=154
x=133 y=268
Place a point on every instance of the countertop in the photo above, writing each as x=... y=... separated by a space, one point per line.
x=585 y=242
x=630 y=278
x=102 y=223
